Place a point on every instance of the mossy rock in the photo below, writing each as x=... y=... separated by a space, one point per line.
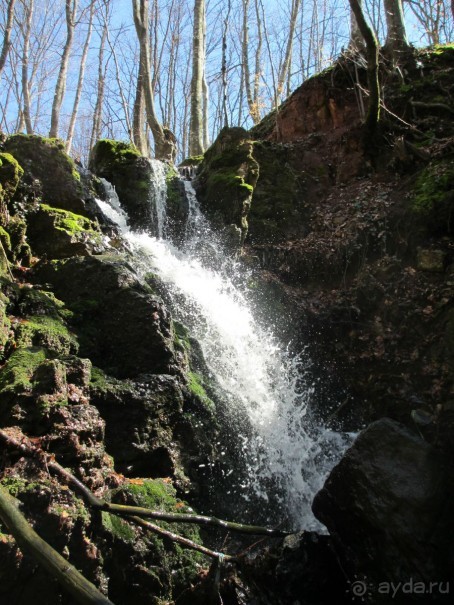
x=193 y=160
x=48 y=332
x=20 y=248
x=16 y=377
x=279 y=204
x=46 y=160
x=5 y=251
x=130 y=173
x=158 y=494
x=60 y=233
x=5 y=325
x=227 y=178
x=10 y=175
x=432 y=201
x=121 y=325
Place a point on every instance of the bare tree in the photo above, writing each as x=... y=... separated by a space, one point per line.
x=97 y=114
x=198 y=67
x=396 y=38
x=164 y=140
x=430 y=14
x=80 y=81
x=26 y=31
x=60 y=87
x=373 y=112
x=252 y=92
x=285 y=67
x=356 y=40
x=7 y=34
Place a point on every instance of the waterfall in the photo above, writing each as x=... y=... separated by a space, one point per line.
x=158 y=194
x=284 y=455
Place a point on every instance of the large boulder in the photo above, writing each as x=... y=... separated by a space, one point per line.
x=387 y=505
x=49 y=171
x=226 y=179
x=131 y=174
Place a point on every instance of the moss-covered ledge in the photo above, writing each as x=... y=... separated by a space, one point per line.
x=226 y=179
x=45 y=161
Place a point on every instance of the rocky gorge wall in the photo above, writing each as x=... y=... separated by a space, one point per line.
x=351 y=253
x=351 y=242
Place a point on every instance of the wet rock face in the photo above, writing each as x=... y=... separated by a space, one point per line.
x=226 y=179
x=123 y=327
x=122 y=165
x=387 y=503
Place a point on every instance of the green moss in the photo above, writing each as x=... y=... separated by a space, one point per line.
x=17 y=485
x=20 y=250
x=193 y=160
x=158 y=494
x=196 y=387
x=10 y=175
x=98 y=379
x=5 y=239
x=110 y=151
x=16 y=376
x=433 y=197
x=118 y=527
x=49 y=332
x=70 y=222
x=41 y=302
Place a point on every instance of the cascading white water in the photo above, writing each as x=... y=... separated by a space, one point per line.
x=281 y=451
x=158 y=195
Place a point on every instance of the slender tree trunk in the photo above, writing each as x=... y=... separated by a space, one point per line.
x=80 y=82
x=224 y=65
x=198 y=64
x=60 y=88
x=164 y=140
x=119 y=84
x=138 y=122
x=7 y=35
x=285 y=67
x=356 y=41
x=25 y=57
x=373 y=112
x=396 y=38
x=97 y=114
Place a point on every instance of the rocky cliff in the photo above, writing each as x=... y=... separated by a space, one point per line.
x=350 y=248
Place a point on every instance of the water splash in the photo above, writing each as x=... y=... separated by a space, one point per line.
x=158 y=195
x=285 y=456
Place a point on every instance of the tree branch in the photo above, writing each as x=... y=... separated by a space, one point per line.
x=128 y=511
x=83 y=591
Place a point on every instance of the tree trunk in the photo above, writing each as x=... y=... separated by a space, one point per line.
x=373 y=112
x=71 y=9
x=224 y=66
x=97 y=114
x=138 y=121
x=164 y=140
x=396 y=37
x=356 y=41
x=80 y=82
x=7 y=34
x=25 y=57
x=198 y=66
x=285 y=67
x=83 y=591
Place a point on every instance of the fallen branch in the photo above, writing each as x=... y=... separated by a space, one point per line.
x=128 y=511
x=80 y=588
x=181 y=540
